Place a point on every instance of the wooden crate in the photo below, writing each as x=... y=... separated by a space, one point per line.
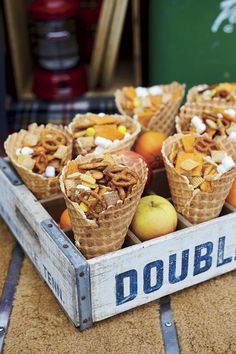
x=95 y=289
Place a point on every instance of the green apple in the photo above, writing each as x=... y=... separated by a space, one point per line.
x=154 y=216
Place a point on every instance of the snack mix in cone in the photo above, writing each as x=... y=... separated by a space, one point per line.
x=102 y=133
x=101 y=195
x=218 y=122
x=39 y=154
x=222 y=92
x=200 y=174
x=154 y=107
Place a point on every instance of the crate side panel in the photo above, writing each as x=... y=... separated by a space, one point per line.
x=23 y=214
x=142 y=273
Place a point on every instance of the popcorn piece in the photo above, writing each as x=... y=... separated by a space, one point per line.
x=155 y=90
x=61 y=152
x=27 y=150
x=50 y=171
x=228 y=163
x=141 y=91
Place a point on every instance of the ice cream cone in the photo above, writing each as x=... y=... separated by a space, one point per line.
x=195 y=205
x=41 y=186
x=163 y=120
x=107 y=234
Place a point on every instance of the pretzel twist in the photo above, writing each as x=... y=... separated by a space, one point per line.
x=206 y=145
x=95 y=206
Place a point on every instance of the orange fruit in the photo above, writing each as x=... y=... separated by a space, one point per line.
x=65 y=220
x=149 y=145
x=231 y=198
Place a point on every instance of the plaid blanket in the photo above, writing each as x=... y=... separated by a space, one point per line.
x=21 y=113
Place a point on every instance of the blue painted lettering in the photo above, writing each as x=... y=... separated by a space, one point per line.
x=221 y=250
x=158 y=266
x=132 y=276
x=173 y=278
x=200 y=258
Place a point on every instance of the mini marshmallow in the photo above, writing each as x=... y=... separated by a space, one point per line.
x=135 y=118
x=228 y=163
x=81 y=186
x=232 y=135
x=155 y=90
x=101 y=114
x=141 y=91
x=103 y=142
x=116 y=142
x=206 y=93
x=198 y=124
x=127 y=135
x=219 y=115
x=50 y=171
x=27 y=150
x=18 y=151
x=221 y=169
x=231 y=112
x=98 y=150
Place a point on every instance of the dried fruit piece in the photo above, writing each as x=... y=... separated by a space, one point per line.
x=207 y=186
x=188 y=143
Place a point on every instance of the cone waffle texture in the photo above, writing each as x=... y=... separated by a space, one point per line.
x=193 y=96
x=42 y=187
x=164 y=120
x=108 y=234
x=197 y=109
x=123 y=145
x=195 y=205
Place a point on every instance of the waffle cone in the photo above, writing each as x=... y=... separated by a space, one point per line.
x=95 y=239
x=195 y=205
x=42 y=187
x=193 y=96
x=197 y=109
x=123 y=145
x=163 y=120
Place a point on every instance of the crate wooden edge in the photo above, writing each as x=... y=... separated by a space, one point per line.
x=57 y=260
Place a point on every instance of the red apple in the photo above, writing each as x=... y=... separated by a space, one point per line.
x=133 y=156
x=154 y=216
